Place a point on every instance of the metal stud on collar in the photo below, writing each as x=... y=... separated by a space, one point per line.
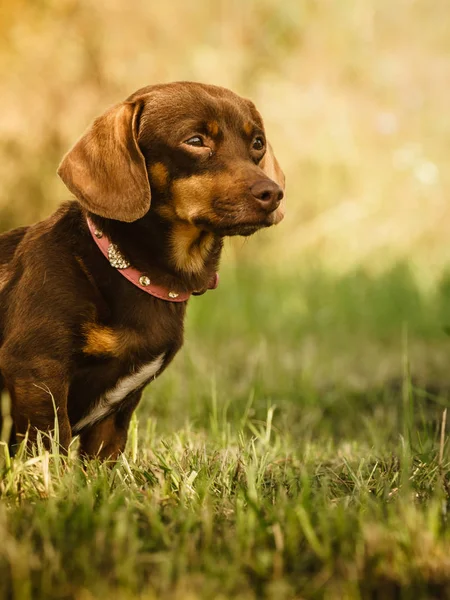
x=144 y=280
x=116 y=258
x=118 y=261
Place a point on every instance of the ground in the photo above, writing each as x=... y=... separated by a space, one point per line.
x=297 y=448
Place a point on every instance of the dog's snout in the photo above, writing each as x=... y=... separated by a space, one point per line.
x=268 y=193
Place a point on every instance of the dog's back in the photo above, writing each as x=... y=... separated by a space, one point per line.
x=9 y=242
x=8 y=245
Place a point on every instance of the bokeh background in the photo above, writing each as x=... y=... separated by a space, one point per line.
x=354 y=95
x=355 y=100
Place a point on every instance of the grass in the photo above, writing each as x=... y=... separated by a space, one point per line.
x=297 y=448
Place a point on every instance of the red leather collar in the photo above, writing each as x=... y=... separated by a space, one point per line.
x=141 y=281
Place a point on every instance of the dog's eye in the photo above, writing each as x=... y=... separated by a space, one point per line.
x=258 y=143
x=195 y=141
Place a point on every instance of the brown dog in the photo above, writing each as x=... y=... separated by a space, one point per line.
x=159 y=180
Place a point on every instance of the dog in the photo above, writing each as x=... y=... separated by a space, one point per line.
x=93 y=299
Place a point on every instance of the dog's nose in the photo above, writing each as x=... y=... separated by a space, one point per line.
x=268 y=193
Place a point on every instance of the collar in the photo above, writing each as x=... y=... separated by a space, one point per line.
x=119 y=262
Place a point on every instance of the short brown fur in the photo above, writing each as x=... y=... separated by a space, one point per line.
x=165 y=175
x=4 y=276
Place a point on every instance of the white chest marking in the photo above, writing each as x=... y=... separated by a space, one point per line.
x=114 y=396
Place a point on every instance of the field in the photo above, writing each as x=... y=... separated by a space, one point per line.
x=298 y=446
x=294 y=450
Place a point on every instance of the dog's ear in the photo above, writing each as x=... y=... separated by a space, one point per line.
x=269 y=163
x=271 y=168
x=106 y=169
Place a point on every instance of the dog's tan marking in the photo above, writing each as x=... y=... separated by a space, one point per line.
x=190 y=247
x=103 y=340
x=248 y=128
x=159 y=175
x=213 y=128
x=192 y=196
x=100 y=340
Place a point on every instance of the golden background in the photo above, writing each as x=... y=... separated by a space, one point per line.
x=354 y=94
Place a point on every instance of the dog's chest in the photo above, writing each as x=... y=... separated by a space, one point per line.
x=111 y=399
x=121 y=358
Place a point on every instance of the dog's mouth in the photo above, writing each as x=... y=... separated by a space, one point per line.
x=230 y=218
x=245 y=229
x=248 y=226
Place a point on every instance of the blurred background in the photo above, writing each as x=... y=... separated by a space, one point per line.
x=354 y=95
x=355 y=100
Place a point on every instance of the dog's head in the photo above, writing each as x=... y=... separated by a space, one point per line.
x=195 y=153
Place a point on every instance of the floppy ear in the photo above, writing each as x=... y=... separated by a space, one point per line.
x=106 y=170
x=271 y=168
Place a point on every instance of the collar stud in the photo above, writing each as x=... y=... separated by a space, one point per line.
x=144 y=280
x=116 y=258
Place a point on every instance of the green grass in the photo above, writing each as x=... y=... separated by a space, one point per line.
x=295 y=449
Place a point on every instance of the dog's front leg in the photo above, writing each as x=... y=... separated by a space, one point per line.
x=107 y=438
x=38 y=392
